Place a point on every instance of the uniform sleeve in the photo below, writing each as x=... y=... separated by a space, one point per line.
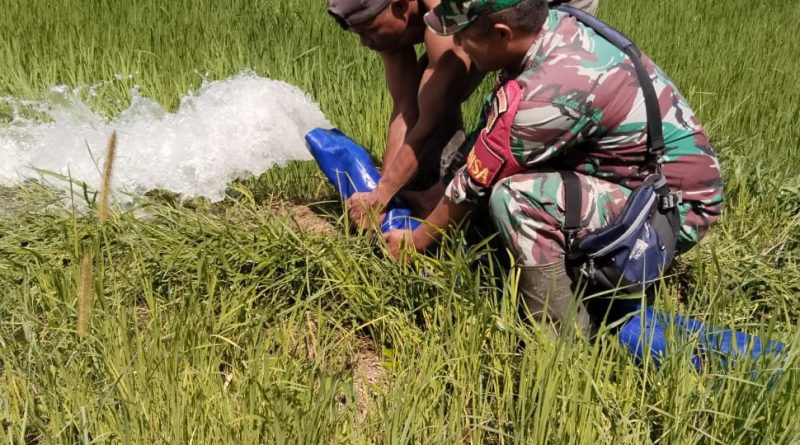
x=545 y=130
x=541 y=131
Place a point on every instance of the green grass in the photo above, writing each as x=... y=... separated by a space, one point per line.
x=225 y=323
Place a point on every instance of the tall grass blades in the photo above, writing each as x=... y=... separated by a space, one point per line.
x=260 y=319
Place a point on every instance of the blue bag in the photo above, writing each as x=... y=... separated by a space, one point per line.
x=636 y=248
x=640 y=244
x=349 y=168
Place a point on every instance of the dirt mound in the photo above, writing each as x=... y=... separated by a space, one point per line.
x=303 y=218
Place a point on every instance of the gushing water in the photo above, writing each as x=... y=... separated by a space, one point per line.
x=228 y=129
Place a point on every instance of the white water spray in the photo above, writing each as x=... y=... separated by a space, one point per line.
x=228 y=129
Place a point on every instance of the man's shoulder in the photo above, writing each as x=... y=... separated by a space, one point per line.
x=571 y=60
x=568 y=40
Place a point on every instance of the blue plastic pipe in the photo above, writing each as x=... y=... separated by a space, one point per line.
x=646 y=332
x=350 y=169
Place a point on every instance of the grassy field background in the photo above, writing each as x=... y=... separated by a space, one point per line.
x=233 y=323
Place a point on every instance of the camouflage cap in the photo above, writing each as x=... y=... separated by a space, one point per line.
x=451 y=16
x=353 y=12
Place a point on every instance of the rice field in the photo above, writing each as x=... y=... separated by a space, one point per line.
x=258 y=319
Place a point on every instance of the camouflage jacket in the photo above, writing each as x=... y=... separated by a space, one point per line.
x=580 y=107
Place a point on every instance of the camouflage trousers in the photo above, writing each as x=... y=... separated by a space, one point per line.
x=528 y=211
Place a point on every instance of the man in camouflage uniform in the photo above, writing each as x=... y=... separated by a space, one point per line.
x=426 y=94
x=566 y=99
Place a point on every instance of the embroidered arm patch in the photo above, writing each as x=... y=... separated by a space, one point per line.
x=491 y=159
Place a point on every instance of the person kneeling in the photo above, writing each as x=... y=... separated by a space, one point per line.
x=564 y=141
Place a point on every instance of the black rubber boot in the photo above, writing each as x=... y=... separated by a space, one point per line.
x=546 y=296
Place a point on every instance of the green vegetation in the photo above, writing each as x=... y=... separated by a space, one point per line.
x=228 y=323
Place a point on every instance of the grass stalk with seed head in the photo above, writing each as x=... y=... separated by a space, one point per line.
x=85 y=294
x=105 y=190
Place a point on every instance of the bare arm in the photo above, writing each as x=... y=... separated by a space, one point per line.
x=440 y=89
x=429 y=232
x=445 y=214
x=402 y=79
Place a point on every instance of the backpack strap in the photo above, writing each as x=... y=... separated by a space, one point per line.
x=573 y=201
x=655 y=136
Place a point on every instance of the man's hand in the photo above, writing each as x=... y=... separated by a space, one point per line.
x=366 y=209
x=400 y=244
